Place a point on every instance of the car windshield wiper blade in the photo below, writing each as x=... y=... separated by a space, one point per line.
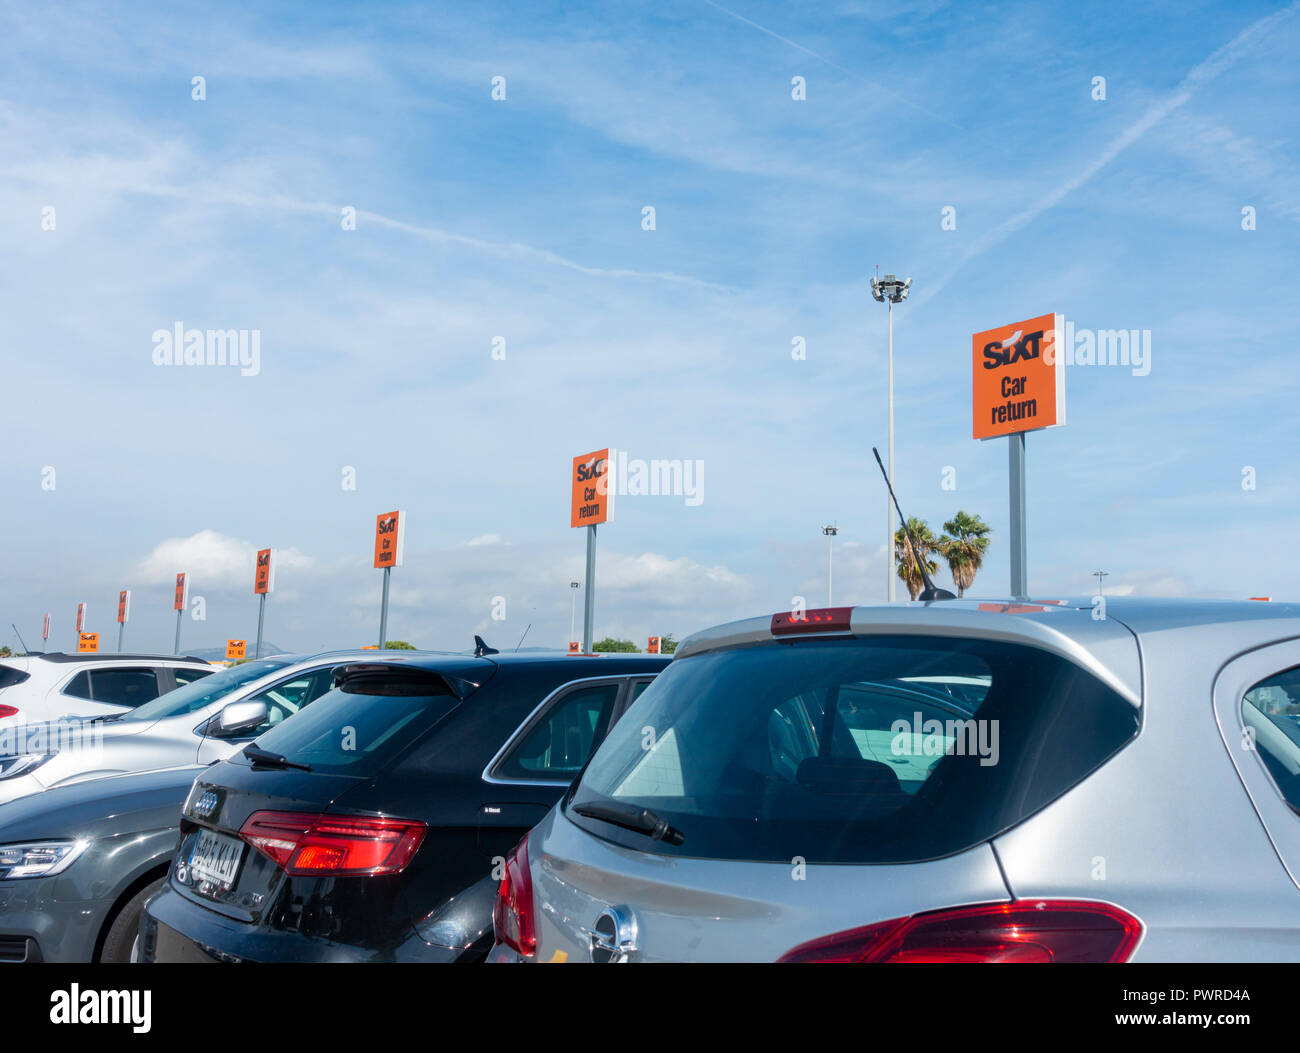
x=632 y=817
x=271 y=760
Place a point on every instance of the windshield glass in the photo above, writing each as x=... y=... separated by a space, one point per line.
x=869 y=750
x=198 y=695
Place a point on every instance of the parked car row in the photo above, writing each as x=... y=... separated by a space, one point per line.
x=951 y=781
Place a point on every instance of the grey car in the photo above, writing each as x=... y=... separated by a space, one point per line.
x=77 y=864
x=1052 y=781
x=196 y=724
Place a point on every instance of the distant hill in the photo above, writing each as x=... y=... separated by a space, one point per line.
x=219 y=653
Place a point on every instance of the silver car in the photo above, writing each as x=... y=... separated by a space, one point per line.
x=954 y=781
x=200 y=723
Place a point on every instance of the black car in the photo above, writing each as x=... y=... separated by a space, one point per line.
x=373 y=825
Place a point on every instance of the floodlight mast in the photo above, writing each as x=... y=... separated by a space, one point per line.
x=890 y=290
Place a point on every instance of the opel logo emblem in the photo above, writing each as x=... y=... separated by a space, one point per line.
x=206 y=805
x=613 y=939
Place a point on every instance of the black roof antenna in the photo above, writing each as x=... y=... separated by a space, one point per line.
x=930 y=592
x=481 y=648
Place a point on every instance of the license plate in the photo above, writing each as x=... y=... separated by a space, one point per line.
x=216 y=858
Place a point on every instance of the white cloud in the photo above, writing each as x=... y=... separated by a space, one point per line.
x=212 y=560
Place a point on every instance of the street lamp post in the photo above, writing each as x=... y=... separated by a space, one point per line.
x=573 y=609
x=1099 y=574
x=830 y=532
x=890 y=290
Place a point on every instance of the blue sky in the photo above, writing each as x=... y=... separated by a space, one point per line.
x=522 y=218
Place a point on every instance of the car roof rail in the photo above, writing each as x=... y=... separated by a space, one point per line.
x=114 y=656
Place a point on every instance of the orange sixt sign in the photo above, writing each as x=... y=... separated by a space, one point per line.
x=1018 y=379
x=591 y=501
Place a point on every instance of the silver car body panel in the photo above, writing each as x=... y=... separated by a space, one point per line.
x=1182 y=828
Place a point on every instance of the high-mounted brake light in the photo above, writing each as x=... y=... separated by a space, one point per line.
x=814 y=620
x=1023 y=931
x=305 y=843
x=512 y=914
x=8 y=711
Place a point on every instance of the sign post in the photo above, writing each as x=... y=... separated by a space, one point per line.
x=263 y=585
x=178 y=605
x=81 y=622
x=390 y=542
x=1018 y=385
x=123 y=615
x=591 y=502
x=45 y=632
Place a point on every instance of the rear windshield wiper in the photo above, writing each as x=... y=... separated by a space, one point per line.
x=271 y=760
x=632 y=817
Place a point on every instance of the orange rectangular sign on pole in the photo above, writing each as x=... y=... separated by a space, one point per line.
x=236 y=649
x=574 y=647
x=81 y=616
x=178 y=601
x=1018 y=377
x=390 y=534
x=88 y=643
x=123 y=606
x=591 y=499
x=653 y=645
x=264 y=575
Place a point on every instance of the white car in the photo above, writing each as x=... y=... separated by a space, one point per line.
x=200 y=723
x=36 y=688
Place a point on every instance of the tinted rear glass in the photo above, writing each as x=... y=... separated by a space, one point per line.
x=359 y=728
x=11 y=677
x=877 y=750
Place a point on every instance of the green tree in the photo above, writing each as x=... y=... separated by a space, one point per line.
x=399 y=645
x=928 y=545
x=966 y=539
x=5 y=652
x=667 y=644
x=610 y=645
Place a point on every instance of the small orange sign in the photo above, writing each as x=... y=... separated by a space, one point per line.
x=1018 y=377
x=178 y=603
x=123 y=606
x=653 y=646
x=591 y=501
x=45 y=629
x=81 y=616
x=574 y=646
x=88 y=643
x=390 y=530
x=236 y=649
x=264 y=575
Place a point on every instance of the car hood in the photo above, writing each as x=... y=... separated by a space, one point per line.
x=99 y=807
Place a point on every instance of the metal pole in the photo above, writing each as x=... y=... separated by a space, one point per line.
x=830 y=567
x=177 y=648
x=1016 y=487
x=573 y=613
x=383 y=611
x=261 y=613
x=889 y=505
x=121 y=627
x=589 y=591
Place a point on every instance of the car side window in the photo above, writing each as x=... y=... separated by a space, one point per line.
x=1271 y=710
x=558 y=744
x=188 y=676
x=79 y=686
x=287 y=697
x=123 y=687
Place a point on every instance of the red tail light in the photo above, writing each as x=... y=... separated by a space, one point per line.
x=512 y=916
x=8 y=711
x=304 y=843
x=1024 y=931
x=813 y=620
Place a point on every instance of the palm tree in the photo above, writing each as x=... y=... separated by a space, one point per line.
x=965 y=540
x=926 y=542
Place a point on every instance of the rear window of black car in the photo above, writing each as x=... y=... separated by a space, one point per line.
x=362 y=725
x=852 y=750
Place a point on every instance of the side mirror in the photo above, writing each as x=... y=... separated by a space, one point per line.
x=237 y=718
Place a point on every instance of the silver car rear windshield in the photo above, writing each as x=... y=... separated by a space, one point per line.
x=849 y=750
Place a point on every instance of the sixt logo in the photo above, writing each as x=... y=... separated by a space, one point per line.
x=593 y=470
x=997 y=355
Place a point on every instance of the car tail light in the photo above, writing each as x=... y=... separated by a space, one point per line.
x=8 y=711
x=819 y=619
x=305 y=843
x=1023 y=931
x=512 y=916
